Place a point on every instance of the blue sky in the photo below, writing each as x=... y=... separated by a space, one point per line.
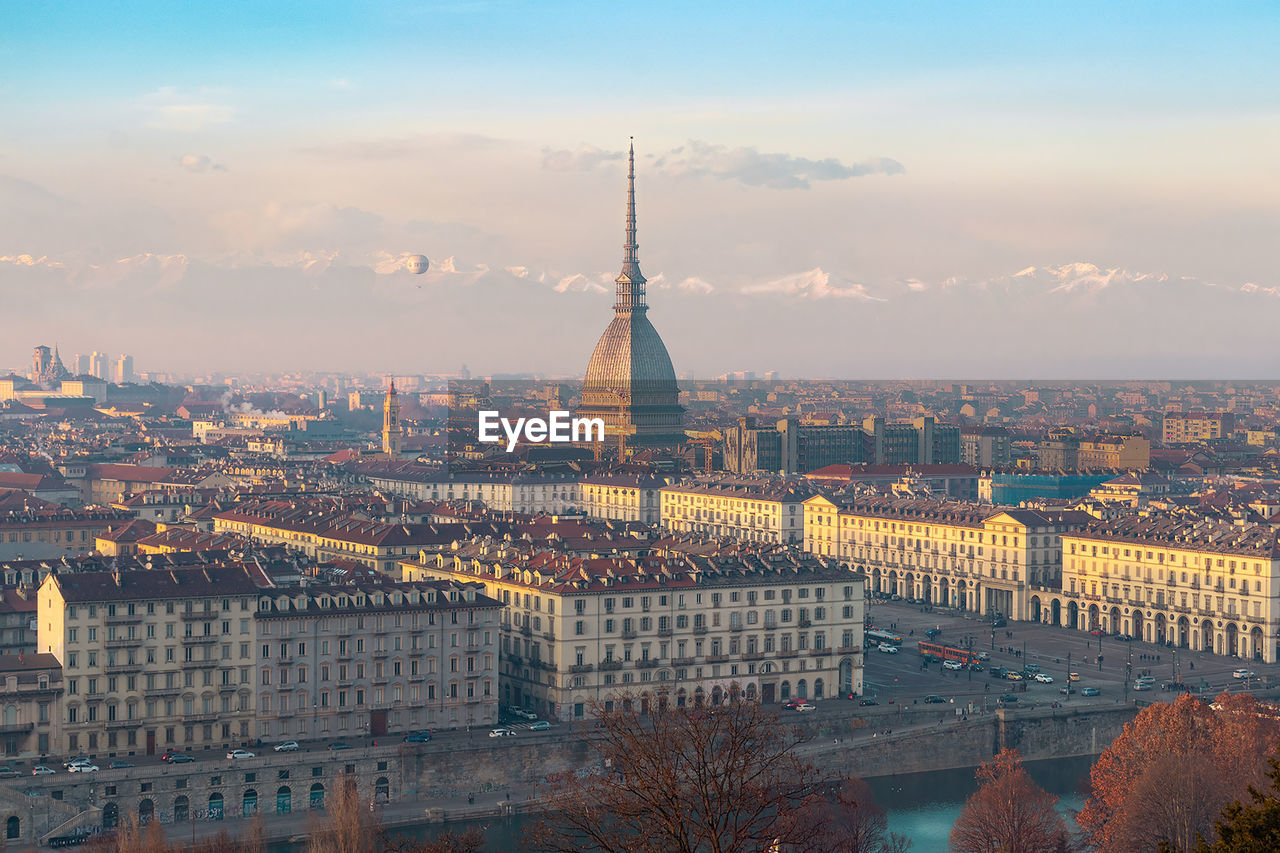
x=810 y=157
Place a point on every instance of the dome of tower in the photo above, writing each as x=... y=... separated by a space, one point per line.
x=630 y=351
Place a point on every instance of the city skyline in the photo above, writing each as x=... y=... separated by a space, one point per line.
x=934 y=194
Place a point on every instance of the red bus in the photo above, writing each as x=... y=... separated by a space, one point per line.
x=942 y=652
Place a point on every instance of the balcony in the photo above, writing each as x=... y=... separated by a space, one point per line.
x=515 y=660
x=206 y=640
x=648 y=663
x=124 y=667
x=699 y=629
x=682 y=662
x=717 y=658
x=211 y=717
x=125 y=619
x=753 y=655
x=199 y=616
x=581 y=667
x=848 y=650
x=526 y=630
x=733 y=627
x=787 y=653
x=804 y=623
x=548 y=665
x=769 y=626
x=629 y=635
x=549 y=636
x=125 y=643
x=664 y=632
x=819 y=652
x=161 y=692
x=16 y=728
x=610 y=665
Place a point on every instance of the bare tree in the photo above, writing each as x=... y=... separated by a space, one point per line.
x=1009 y=813
x=351 y=826
x=724 y=779
x=852 y=822
x=471 y=841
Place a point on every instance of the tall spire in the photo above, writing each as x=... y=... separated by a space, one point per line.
x=631 y=281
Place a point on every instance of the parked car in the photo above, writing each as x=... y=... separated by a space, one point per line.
x=79 y=760
x=1141 y=685
x=933 y=632
x=1242 y=673
x=287 y=746
x=1124 y=638
x=83 y=768
x=42 y=770
x=976 y=667
x=1032 y=667
x=952 y=664
x=180 y=758
x=502 y=731
x=337 y=744
x=1073 y=676
x=1009 y=699
x=1091 y=691
x=1044 y=679
x=239 y=753
x=1066 y=691
x=1012 y=676
x=983 y=656
x=540 y=726
x=9 y=773
x=888 y=649
x=804 y=706
x=934 y=699
x=120 y=765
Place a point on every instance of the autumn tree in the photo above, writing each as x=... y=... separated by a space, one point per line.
x=685 y=780
x=351 y=826
x=1252 y=828
x=1009 y=813
x=851 y=821
x=1166 y=778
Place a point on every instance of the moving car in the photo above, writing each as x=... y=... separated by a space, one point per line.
x=79 y=760
x=888 y=649
x=1013 y=676
x=417 y=737
x=865 y=702
x=502 y=731
x=337 y=744
x=287 y=746
x=1044 y=679
x=983 y=656
x=952 y=664
x=1242 y=673
x=1091 y=691
x=803 y=706
x=933 y=632
x=120 y=765
x=1066 y=691
x=540 y=726
x=1073 y=676
x=41 y=770
x=180 y=758
x=1141 y=685
x=239 y=753
x=83 y=768
x=934 y=699
x=9 y=773
x=1009 y=699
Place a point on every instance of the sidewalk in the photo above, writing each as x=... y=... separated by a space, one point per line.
x=298 y=825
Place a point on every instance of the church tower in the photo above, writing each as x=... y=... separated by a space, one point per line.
x=391 y=423
x=630 y=382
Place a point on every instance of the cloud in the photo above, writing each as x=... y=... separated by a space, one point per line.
x=579 y=283
x=169 y=109
x=813 y=284
x=692 y=284
x=200 y=163
x=758 y=169
x=583 y=159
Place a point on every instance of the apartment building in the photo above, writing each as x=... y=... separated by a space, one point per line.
x=973 y=557
x=519 y=490
x=375 y=656
x=688 y=623
x=746 y=509
x=1195 y=427
x=623 y=495
x=152 y=659
x=34 y=528
x=30 y=704
x=1195 y=583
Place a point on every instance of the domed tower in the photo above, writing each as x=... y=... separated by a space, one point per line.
x=630 y=382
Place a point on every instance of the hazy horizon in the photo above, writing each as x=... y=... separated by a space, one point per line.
x=827 y=191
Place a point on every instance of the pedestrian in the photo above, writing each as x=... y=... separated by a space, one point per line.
x=1193 y=664
x=1157 y=658
x=470 y=799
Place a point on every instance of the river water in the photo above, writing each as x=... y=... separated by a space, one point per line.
x=921 y=806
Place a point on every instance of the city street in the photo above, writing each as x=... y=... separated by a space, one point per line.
x=1056 y=650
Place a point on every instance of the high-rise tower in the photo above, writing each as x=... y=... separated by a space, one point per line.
x=630 y=382
x=391 y=423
